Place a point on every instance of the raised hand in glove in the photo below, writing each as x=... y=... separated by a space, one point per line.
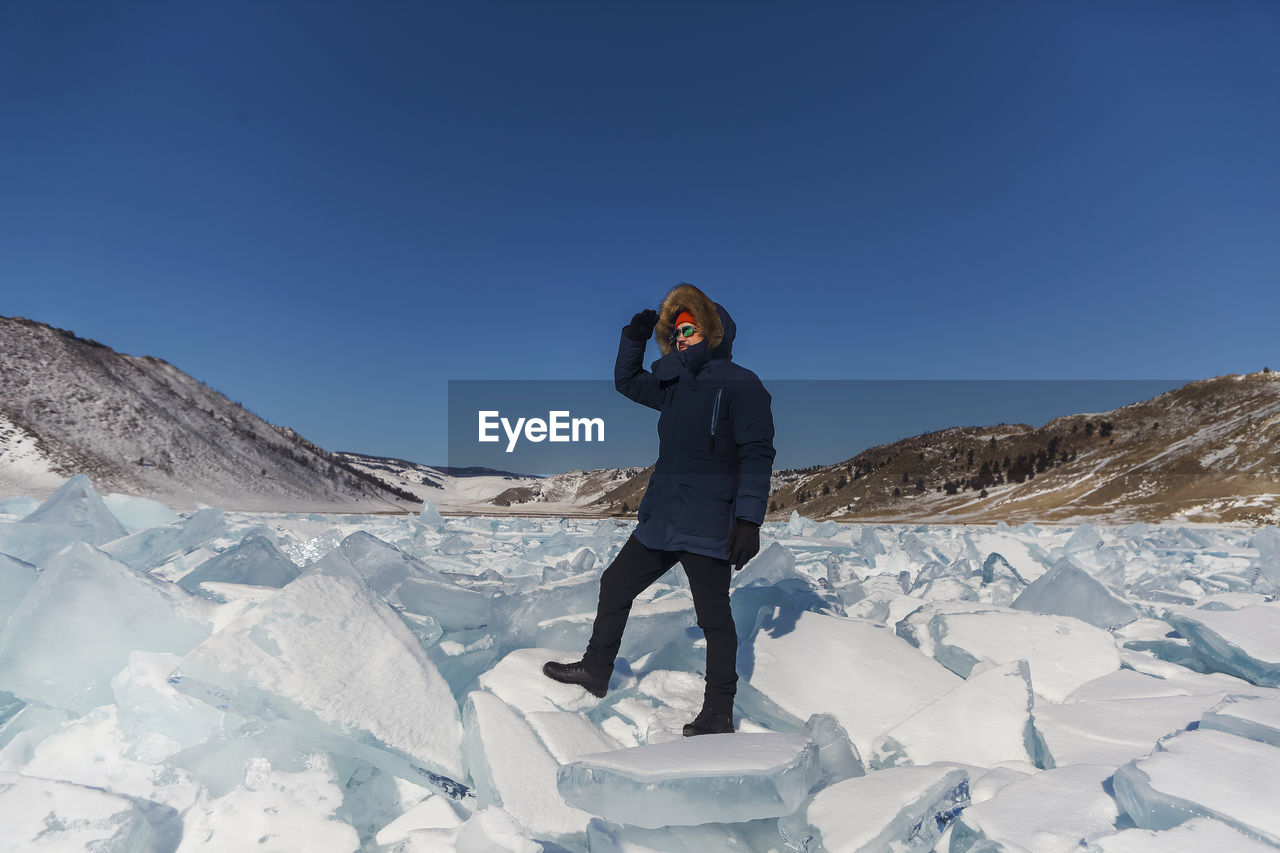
x=744 y=543
x=642 y=325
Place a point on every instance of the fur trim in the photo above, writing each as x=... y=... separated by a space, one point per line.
x=686 y=297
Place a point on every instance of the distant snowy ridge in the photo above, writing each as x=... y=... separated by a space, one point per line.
x=139 y=425
x=1206 y=452
x=484 y=490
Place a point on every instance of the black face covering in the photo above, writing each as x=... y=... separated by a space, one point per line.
x=695 y=356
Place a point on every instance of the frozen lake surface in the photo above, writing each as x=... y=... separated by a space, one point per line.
x=217 y=681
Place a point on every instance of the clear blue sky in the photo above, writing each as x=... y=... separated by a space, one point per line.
x=328 y=210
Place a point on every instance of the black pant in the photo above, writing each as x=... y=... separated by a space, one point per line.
x=631 y=573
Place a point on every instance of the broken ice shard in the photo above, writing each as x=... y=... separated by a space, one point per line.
x=430 y=516
x=16 y=577
x=76 y=504
x=1194 y=836
x=1068 y=590
x=1204 y=773
x=899 y=809
x=883 y=679
x=1051 y=810
x=78 y=623
x=837 y=755
x=327 y=655
x=1254 y=717
x=1244 y=642
x=1063 y=651
x=454 y=607
x=137 y=513
x=512 y=768
x=722 y=778
x=44 y=814
x=150 y=548
x=983 y=721
x=255 y=561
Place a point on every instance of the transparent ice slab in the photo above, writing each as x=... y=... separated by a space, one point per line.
x=512 y=768
x=1195 y=836
x=1244 y=643
x=1068 y=590
x=77 y=504
x=326 y=654
x=1051 y=810
x=1253 y=717
x=255 y=561
x=78 y=623
x=721 y=778
x=16 y=577
x=883 y=680
x=754 y=836
x=137 y=513
x=1113 y=731
x=1204 y=773
x=983 y=721
x=44 y=814
x=456 y=608
x=900 y=809
x=155 y=546
x=1063 y=652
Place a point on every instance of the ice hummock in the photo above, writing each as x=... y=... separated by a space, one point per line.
x=255 y=560
x=1195 y=836
x=1052 y=810
x=152 y=547
x=16 y=577
x=47 y=814
x=80 y=620
x=882 y=680
x=272 y=809
x=1068 y=590
x=77 y=505
x=1244 y=642
x=1204 y=773
x=1113 y=731
x=1253 y=717
x=327 y=655
x=137 y=513
x=512 y=768
x=1063 y=651
x=985 y=720
x=900 y=809
x=719 y=778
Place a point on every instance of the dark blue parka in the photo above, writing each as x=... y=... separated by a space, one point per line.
x=715 y=442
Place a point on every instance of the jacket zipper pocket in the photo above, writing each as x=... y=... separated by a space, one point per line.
x=715 y=411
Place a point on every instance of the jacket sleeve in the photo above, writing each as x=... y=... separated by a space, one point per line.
x=753 y=433
x=630 y=377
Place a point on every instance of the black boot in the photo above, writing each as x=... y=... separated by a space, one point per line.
x=577 y=673
x=710 y=722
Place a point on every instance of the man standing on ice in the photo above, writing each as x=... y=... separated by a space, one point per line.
x=706 y=498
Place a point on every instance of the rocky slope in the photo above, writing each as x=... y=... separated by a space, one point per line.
x=139 y=425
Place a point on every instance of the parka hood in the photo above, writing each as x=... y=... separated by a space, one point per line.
x=718 y=328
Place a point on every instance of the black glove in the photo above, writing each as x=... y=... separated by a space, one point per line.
x=744 y=543
x=642 y=324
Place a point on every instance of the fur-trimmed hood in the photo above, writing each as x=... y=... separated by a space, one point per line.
x=712 y=320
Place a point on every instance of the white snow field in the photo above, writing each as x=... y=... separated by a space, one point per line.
x=226 y=681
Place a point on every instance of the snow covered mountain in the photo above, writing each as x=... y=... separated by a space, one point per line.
x=485 y=490
x=1208 y=451
x=139 y=425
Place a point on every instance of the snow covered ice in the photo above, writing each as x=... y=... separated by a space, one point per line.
x=720 y=778
x=1204 y=773
x=203 y=680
